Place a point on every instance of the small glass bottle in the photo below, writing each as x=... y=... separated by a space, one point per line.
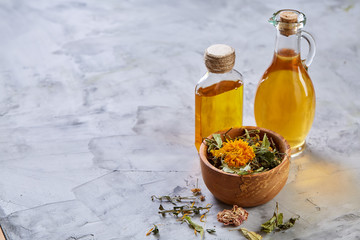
x=218 y=94
x=285 y=96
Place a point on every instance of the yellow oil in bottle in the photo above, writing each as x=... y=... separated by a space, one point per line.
x=285 y=98
x=217 y=107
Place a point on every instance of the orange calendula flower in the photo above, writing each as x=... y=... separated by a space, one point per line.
x=235 y=153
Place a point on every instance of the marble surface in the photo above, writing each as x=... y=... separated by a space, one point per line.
x=97 y=115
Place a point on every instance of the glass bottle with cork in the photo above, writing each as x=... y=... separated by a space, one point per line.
x=285 y=96
x=218 y=94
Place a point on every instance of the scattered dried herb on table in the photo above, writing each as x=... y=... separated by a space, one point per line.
x=276 y=222
x=235 y=216
x=185 y=209
x=245 y=154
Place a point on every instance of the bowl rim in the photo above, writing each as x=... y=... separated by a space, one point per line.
x=203 y=149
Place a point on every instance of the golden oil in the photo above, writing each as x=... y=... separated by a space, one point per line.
x=218 y=107
x=285 y=98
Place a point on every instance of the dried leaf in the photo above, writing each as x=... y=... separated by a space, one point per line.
x=247 y=134
x=288 y=224
x=156 y=230
x=240 y=171
x=195 y=226
x=250 y=235
x=270 y=225
x=211 y=231
x=218 y=140
x=276 y=222
x=161 y=208
x=265 y=142
x=279 y=219
x=266 y=158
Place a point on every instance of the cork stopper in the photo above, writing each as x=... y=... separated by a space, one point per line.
x=288 y=17
x=286 y=24
x=219 y=58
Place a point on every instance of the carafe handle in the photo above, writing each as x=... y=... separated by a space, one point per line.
x=312 y=48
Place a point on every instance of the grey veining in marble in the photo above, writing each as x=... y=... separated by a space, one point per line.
x=97 y=115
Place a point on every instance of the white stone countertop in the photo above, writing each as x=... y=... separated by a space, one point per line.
x=97 y=115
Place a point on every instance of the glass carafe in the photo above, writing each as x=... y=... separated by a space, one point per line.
x=285 y=96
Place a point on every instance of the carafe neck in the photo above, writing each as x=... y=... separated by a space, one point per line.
x=287 y=44
x=289 y=24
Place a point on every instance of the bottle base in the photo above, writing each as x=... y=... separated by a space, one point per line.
x=298 y=150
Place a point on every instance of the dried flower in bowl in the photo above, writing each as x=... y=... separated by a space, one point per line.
x=245 y=154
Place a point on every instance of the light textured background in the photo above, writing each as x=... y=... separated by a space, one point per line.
x=97 y=115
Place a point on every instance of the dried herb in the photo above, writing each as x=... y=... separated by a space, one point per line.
x=250 y=235
x=174 y=199
x=196 y=227
x=245 y=154
x=276 y=222
x=218 y=140
x=211 y=231
x=288 y=224
x=154 y=230
x=196 y=191
x=270 y=225
x=186 y=209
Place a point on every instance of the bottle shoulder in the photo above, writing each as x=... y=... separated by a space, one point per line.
x=210 y=79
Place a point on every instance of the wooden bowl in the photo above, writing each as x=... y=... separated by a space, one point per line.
x=246 y=190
